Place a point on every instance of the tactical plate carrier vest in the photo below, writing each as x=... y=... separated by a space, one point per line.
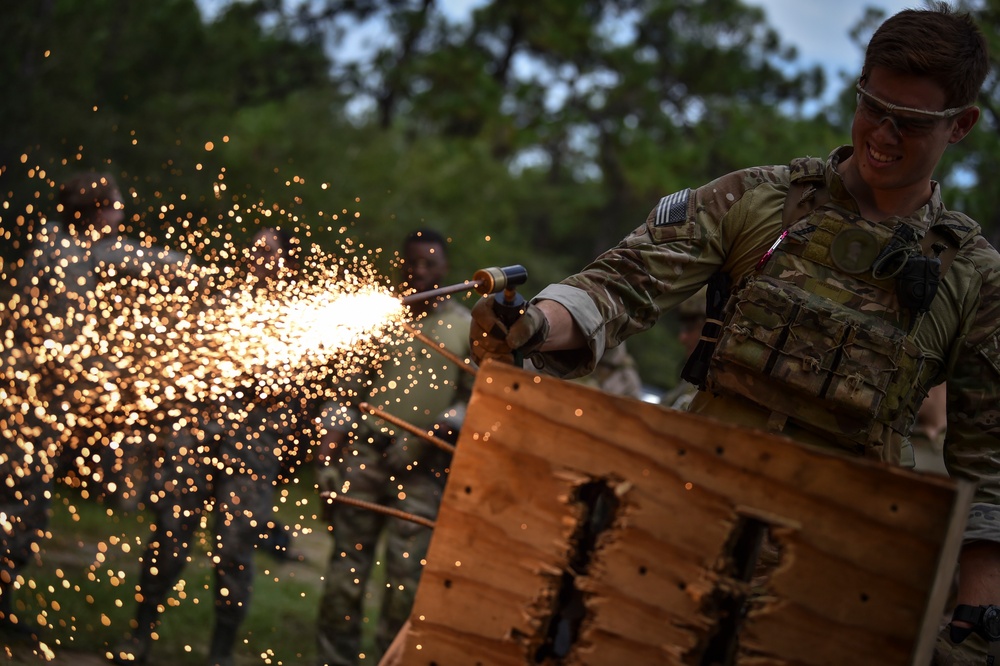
x=818 y=337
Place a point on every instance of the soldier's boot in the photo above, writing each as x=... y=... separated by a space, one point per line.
x=134 y=648
x=220 y=650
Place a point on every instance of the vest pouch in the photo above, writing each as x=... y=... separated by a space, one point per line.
x=815 y=360
x=876 y=371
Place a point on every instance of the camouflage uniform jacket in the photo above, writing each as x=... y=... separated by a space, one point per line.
x=63 y=272
x=729 y=225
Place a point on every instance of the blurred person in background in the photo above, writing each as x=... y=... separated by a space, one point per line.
x=227 y=462
x=929 y=432
x=691 y=321
x=55 y=363
x=366 y=458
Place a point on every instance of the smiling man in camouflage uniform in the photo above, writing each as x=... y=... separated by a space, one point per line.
x=854 y=290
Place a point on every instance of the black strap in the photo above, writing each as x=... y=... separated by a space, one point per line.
x=964 y=613
x=974 y=616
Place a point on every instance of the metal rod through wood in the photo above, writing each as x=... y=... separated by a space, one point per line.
x=377 y=508
x=462 y=363
x=408 y=427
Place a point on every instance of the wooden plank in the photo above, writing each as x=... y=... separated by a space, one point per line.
x=864 y=552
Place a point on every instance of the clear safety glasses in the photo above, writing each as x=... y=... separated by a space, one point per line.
x=909 y=122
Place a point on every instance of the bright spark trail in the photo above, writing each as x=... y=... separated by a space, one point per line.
x=92 y=368
x=176 y=341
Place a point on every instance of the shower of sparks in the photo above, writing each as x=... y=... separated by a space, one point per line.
x=93 y=369
x=173 y=343
x=86 y=360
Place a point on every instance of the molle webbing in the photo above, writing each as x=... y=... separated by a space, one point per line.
x=825 y=346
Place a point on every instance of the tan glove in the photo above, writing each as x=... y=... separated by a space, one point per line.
x=490 y=338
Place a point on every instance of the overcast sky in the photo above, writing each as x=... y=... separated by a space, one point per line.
x=819 y=29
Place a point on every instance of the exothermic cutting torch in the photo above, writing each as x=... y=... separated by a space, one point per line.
x=487 y=281
x=499 y=283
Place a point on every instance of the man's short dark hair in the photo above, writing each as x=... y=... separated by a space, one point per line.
x=82 y=195
x=426 y=235
x=945 y=46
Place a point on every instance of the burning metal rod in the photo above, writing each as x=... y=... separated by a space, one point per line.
x=423 y=434
x=377 y=508
x=462 y=363
x=486 y=281
x=431 y=294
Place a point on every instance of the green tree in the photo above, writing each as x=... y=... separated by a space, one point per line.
x=138 y=89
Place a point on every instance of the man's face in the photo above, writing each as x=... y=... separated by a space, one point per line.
x=897 y=150
x=424 y=265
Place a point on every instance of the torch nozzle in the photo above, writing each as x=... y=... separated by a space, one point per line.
x=496 y=279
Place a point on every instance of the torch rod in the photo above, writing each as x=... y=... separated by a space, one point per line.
x=421 y=296
x=423 y=434
x=378 y=508
x=462 y=363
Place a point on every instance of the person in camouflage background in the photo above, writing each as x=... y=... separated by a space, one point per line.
x=226 y=463
x=829 y=335
x=55 y=315
x=364 y=458
x=929 y=432
x=617 y=373
x=691 y=320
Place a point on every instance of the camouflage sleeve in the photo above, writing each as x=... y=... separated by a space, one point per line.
x=688 y=237
x=463 y=391
x=972 y=446
x=338 y=417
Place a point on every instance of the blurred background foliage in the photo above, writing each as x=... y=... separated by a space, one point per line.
x=537 y=132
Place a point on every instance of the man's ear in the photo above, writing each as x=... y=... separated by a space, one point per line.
x=964 y=124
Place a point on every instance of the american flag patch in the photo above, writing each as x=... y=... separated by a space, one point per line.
x=672 y=209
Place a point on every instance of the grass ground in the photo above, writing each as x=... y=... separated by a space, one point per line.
x=83 y=581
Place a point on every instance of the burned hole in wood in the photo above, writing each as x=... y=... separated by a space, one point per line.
x=749 y=559
x=598 y=504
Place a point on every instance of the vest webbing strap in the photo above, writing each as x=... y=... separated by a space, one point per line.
x=805 y=196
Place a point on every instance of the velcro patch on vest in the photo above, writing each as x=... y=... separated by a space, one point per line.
x=672 y=208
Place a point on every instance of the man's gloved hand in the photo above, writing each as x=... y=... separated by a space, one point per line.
x=490 y=338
